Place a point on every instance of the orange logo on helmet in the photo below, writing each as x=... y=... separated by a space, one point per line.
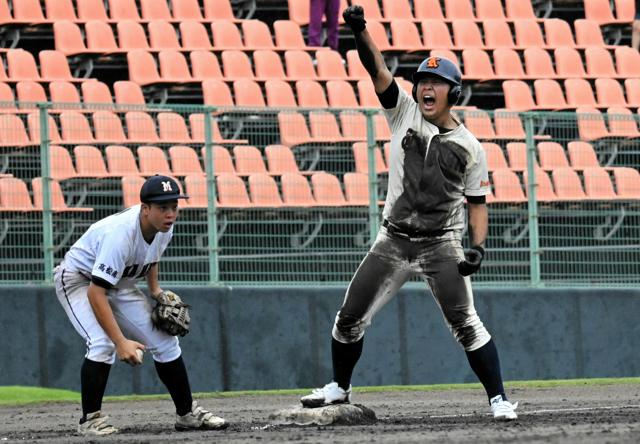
x=433 y=62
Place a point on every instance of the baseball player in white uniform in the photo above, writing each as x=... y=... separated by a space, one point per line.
x=436 y=163
x=96 y=285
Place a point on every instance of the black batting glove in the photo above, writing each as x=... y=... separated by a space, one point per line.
x=472 y=260
x=354 y=17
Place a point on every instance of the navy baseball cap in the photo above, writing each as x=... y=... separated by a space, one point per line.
x=160 y=189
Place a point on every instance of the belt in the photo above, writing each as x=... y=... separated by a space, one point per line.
x=396 y=231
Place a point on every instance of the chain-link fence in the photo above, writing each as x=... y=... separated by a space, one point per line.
x=294 y=196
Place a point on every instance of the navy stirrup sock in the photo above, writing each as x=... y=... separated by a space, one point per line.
x=345 y=357
x=486 y=365
x=174 y=376
x=93 y=382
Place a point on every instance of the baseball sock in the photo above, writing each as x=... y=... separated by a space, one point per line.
x=174 y=376
x=345 y=357
x=486 y=365
x=93 y=382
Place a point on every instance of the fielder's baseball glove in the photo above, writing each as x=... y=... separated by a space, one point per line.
x=170 y=314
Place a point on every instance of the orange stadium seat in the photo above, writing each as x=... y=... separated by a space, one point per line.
x=538 y=64
x=507 y=187
x=405 y=36
x=367 y=94
x=198 y=130
x=128 y=93
x=458 y=10
x=131 y=190
x=428 y=10
x=489 y=9
x=591 y=125
x=21 y=65
x=311 y=94
x=195 y=186
x=467 y=34
x=544 y=190
x=7 y=98
x=396 y=10
x=248 y=160
x=268 y=65
x=59 y=10
x=61 y=164
x=495 y=156
x=121 y=161
x=13 y=131
x=28 y=91
x=194 y=36
x=609 y=93
x=236 y=64
x=355 y=67
x=108 y=127
x=632 y=88
x=155 y=10
x=379 y=35
x=89 y=161
x=218 y=10
x=356 y=188
x=152 y=161
x=299 y=65
x=280 y=160
x=552 y=156
x=174 y=67
x=324 y=127
x=579 y=93
x=28 y=11
x=600 y=11
x=222 y=162
x=172 y=128
x=599 y=63
x=517 y=152
x=296 y=190
x=479 y=123
x=264 y=191
x=162 y=35
x=256 y=35
x=75 y=128
x=204 y=65
x=68 y=38
x=528 y=33
x=597 y=184
x=622 y=122
x=14 y=195
x=58 y=204
x=569 y=63
x=33 y=122
x=582 y=155
x=354 y=125
x=131 y=35
x=497 y=34
x=95 y=92
x=549 y=95
x=627 y=180
x=361 y=158
x=293 y=128
x=216 y=93
x=517 y=9
x=436 y=35
x=184 y=161
x=248 y=93
x=91 y=10
x=64 y=92
x=279 y=94
x=625 y=10
x=142 y=68
x=226 y=35
x=627 y=62
x=288 y=35
x=232 y=191
x=341 y=95
x=327 y=190
x=558 y=33
x=54 y=66
x=186 y=10
x=477 y=65
x=100 y=37
x=508 y=125
x=123 y=10
x=507 y=64
x=588 y=33
x=141 y=127
x=330 y=65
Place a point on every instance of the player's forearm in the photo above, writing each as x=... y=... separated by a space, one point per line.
x=102 y=310
x=152 y=280
x=478 y=223
x=372 y=60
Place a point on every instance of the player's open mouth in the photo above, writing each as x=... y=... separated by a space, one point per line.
x=428 y=100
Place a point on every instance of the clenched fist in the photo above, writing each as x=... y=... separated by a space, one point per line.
x=354 y=17
x=472 y=260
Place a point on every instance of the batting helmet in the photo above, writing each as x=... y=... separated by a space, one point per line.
x=443 y=68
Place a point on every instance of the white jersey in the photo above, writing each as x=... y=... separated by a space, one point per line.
x=113 y=249
x=430 y=173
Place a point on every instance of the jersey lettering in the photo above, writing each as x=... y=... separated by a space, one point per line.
x=130 y=271
x=145 y=270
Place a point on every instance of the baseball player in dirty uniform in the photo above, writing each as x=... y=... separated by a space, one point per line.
x=436 y=163
x=96 y=285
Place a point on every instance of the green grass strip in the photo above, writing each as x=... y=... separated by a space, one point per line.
x=17 y=395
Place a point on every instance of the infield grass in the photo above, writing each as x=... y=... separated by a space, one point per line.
x=19 y=395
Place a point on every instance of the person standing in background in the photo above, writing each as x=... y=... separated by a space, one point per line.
x=317 y=10
x=635 y=28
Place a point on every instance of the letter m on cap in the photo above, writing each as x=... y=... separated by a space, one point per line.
x=166 y=186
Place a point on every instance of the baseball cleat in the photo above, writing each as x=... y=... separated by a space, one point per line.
x=327 y=395
x=503 y=410
x=96 y=425
x=199 y=419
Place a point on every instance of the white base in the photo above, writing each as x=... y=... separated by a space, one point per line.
x=349 y=414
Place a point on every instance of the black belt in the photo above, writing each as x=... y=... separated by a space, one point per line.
x=397 y=231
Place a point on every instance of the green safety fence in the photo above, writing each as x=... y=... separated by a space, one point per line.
x=295 y=196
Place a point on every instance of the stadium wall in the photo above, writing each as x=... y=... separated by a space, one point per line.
x=267 y=338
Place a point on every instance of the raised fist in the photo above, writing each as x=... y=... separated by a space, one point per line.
x=472 y=260
x=354 y=17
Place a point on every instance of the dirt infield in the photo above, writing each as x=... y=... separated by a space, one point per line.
x=583 y=414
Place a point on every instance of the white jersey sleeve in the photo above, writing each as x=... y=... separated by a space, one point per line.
x=112 y=256
x=477 y=175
